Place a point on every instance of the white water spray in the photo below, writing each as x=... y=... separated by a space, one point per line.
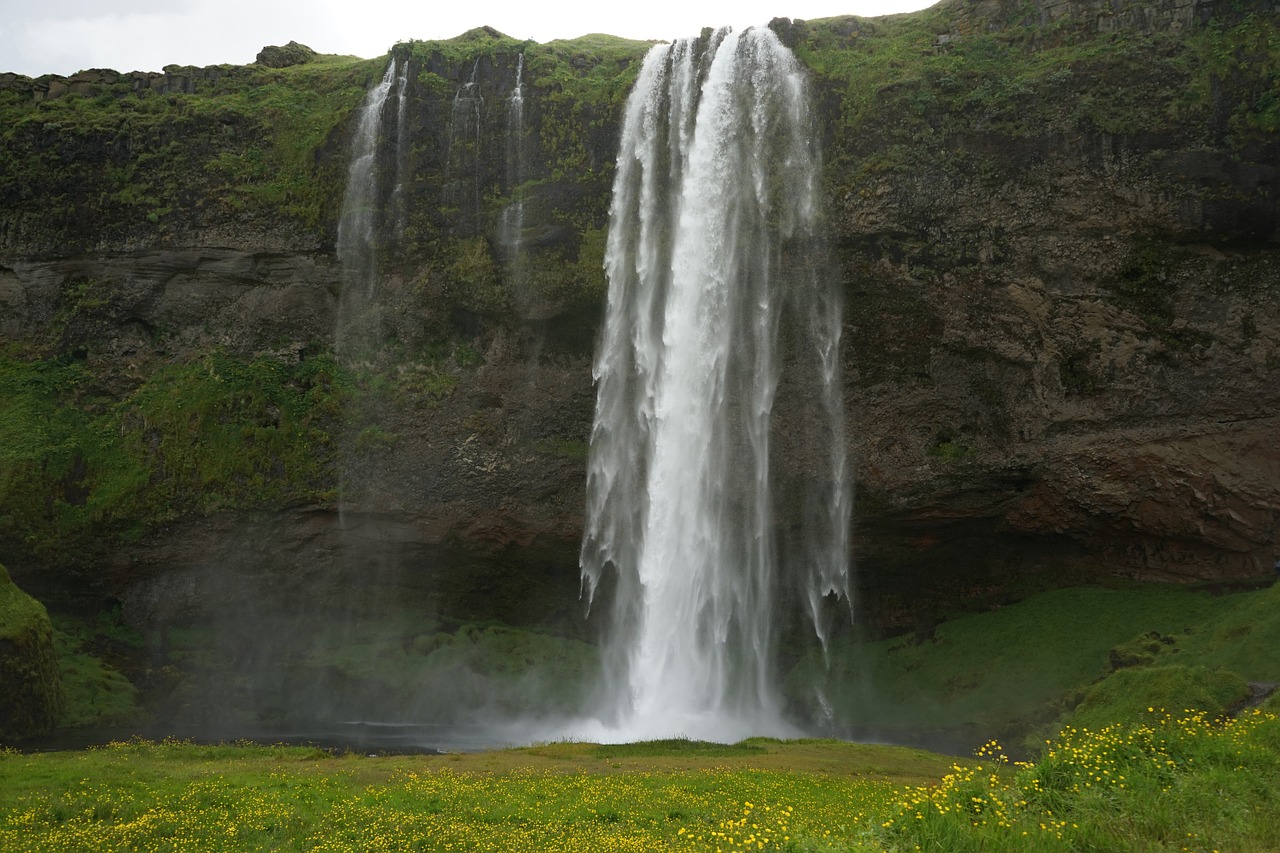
x=713 y=247
x=359 y=221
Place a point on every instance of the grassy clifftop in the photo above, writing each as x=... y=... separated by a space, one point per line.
x=900 y=88
x=124 y=165
x=131 y=160
x=258 y=155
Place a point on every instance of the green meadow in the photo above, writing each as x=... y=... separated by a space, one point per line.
x=1161 y=782
x=1119 y=720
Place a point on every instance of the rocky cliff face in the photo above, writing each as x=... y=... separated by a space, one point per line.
x=1063 y=316
x=1057 y=228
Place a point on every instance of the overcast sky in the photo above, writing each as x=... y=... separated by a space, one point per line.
x=66 y=36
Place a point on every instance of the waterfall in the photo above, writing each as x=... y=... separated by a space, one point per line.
x=402 y=148
x=462 y=168
x=511 y=226
x=713 y=248
x=357 y=240
x=513 y=216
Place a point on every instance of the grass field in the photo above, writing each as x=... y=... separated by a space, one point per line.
x=1023 y=667
x=1162 y=782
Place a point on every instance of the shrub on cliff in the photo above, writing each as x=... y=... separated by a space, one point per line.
x=30 y=689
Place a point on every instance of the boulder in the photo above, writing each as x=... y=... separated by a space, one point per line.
x=31 y=699
x=276 y=56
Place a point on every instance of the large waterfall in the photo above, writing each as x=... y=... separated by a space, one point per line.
x=718 y=301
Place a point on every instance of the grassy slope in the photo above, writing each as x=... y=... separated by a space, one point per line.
x=97 y=692
x=560 y=797
x=1028 y=663
x=1155 y=784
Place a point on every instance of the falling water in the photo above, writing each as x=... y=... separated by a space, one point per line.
x=512 y=226
x=402 y=147
x=463 y=164
x=713 y=247
x=357 y=225
x=511 y=229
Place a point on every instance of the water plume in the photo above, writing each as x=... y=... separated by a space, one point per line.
x=717 y=287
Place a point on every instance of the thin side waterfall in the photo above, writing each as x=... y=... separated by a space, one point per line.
x=324 y=624
x=463 y=164
x=402 y=148
x=717 y=293
x=511 y=224
x=357 y=225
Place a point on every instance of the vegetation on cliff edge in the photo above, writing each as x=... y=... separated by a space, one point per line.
x=126 y=167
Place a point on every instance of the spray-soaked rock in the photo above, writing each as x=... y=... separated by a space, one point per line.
x=30 y=687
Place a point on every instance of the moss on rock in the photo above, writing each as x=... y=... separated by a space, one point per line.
x=30 y=688
x=283 y=56
x=1127 y=693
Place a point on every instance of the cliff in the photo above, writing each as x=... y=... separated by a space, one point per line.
x=1059 y=239
x=1056 y=225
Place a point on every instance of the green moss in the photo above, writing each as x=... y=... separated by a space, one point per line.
x=17 y=609
x=1127 y=694
x=97 y=693
x=562 y=448
x=896 y=99
x=950 y=450
x=1025 y=664
x=1014 y=80
x=474 y=278
x=123 y=165
x=376 y=438
x=582 y=84
x=80 y=466
x=31 y=697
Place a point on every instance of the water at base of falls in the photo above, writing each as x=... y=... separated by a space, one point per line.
x=713 y=250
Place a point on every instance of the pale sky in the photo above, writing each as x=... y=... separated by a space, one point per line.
x=66 y=36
